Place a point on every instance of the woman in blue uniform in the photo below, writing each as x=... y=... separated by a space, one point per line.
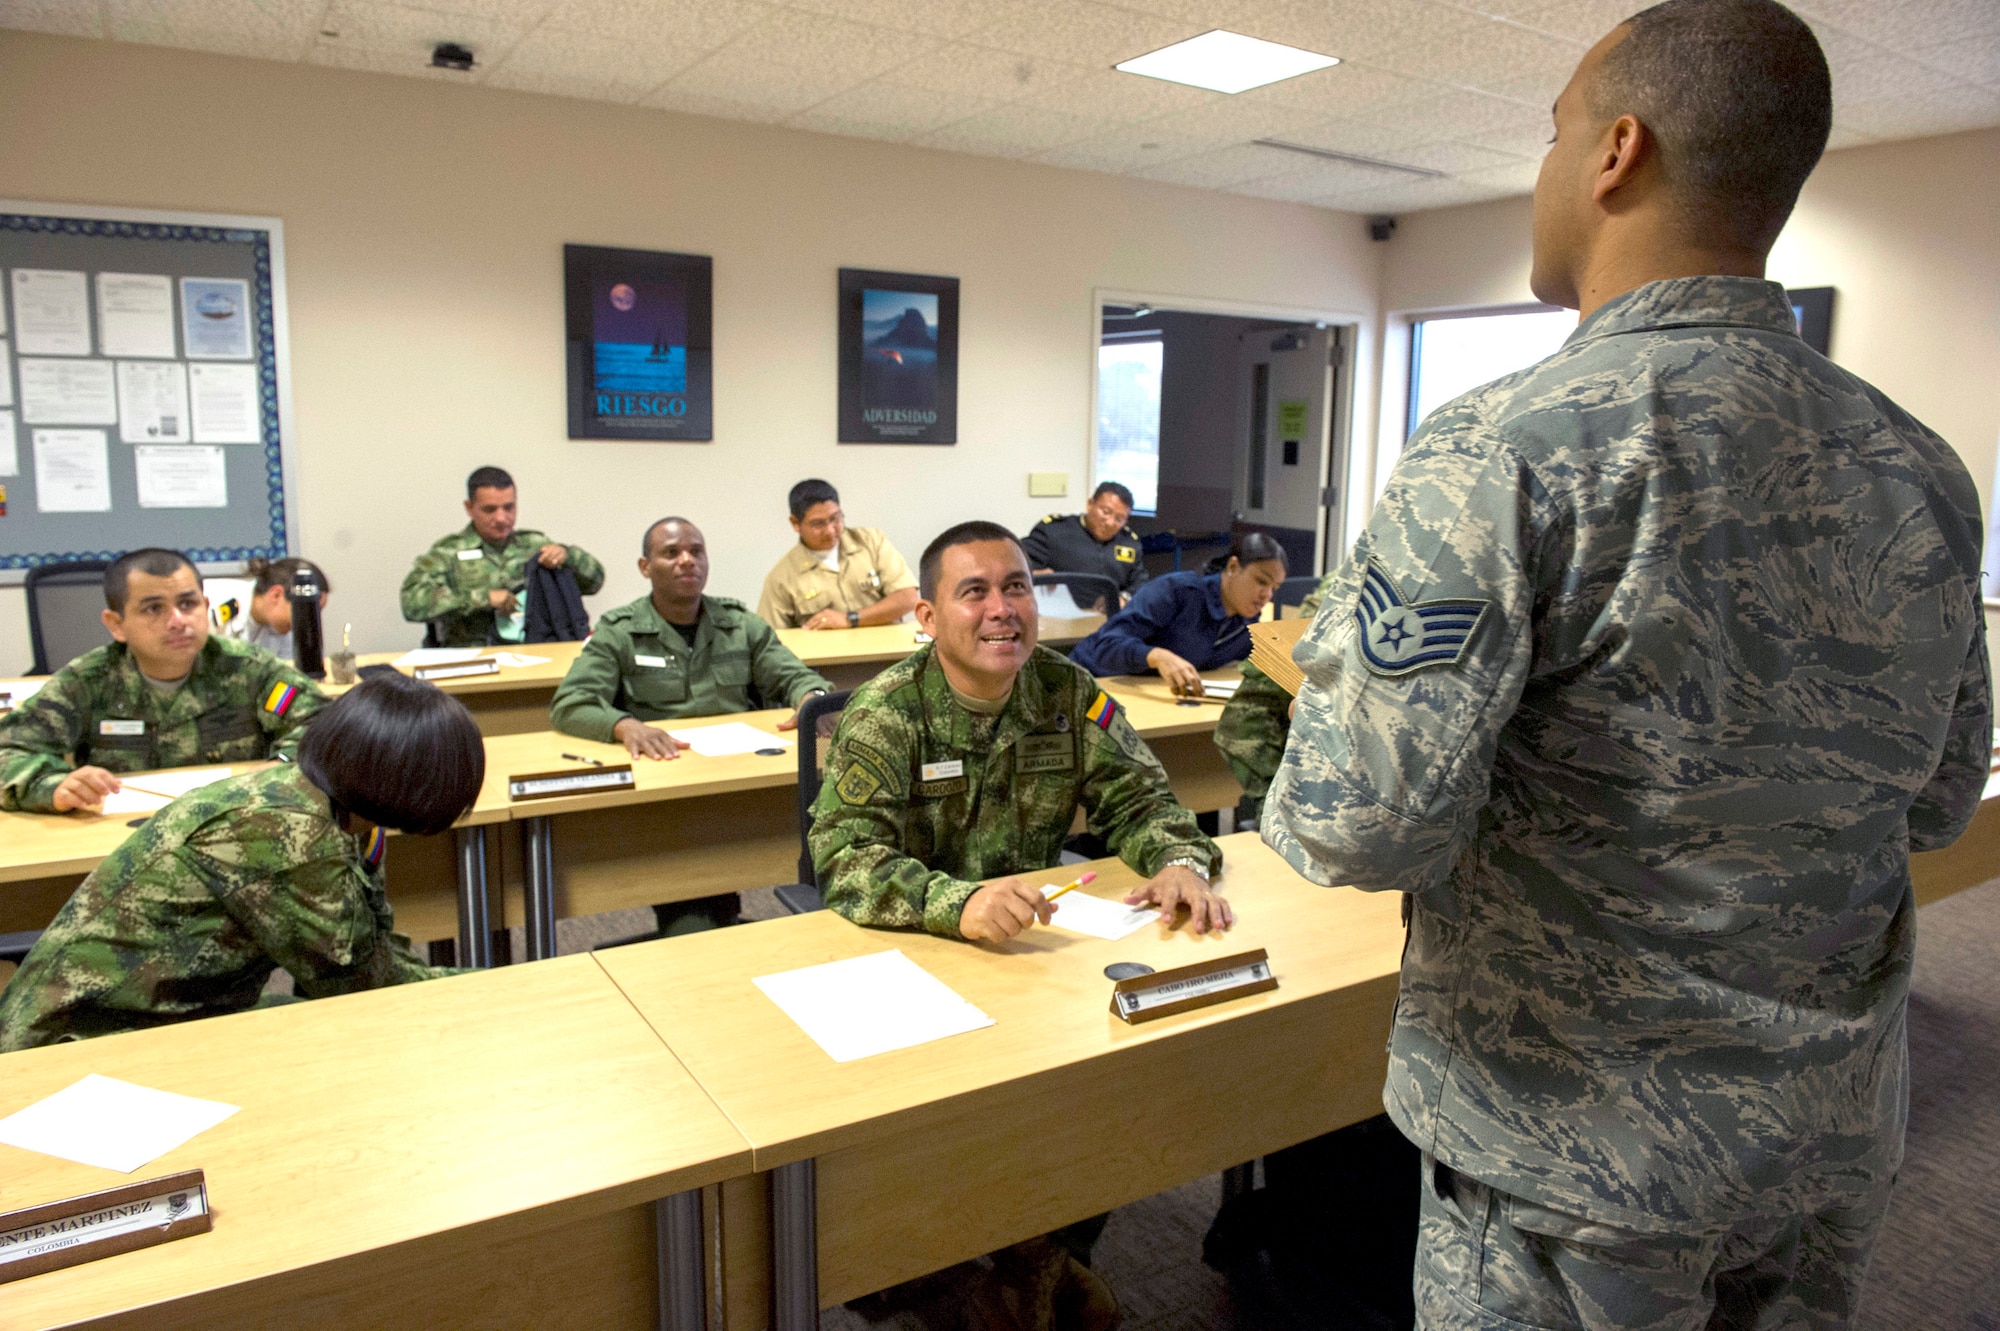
x=1184 y=623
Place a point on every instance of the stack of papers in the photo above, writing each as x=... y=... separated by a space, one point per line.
x=1221 y=688
x=1271 y=644
x=110 y=1123
x=731 y=737
x=870 y=1005
x=436 y=656
x=1111 y=920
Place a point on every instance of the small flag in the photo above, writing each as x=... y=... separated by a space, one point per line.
x=280 y=698
x=1102 y=711
x=378 y=841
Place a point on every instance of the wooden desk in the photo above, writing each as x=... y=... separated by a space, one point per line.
x=1971 y=860
x=855 y=656
x=481 y=1150
x=509 y=703
x=1056 y=1112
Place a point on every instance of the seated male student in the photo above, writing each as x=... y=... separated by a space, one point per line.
x=1093 y=541
x=165 y=693
x=671 y=654
x=968 y=760
x=469 y=582
x=257 y=607
x=837 y=576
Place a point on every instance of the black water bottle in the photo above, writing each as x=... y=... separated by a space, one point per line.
x=308 y=640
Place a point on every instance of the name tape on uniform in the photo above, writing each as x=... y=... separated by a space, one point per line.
x=944 y=771
x=121 y=727
x=469 y=554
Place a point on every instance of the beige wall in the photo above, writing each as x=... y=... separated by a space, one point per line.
x=424 y=227
x=1904 y=233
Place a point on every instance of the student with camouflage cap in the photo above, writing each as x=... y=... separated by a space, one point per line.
x=165 y=693
x=279 y=867
x=1654 y=664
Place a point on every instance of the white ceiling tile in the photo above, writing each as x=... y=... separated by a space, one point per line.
x=1975 y=60
x=580 y=64
x=1893 y=24
x=265 y=29
x=1317 y=179
x=1349 y=88
x=1127 y=149
x=1459 y=159
x=1584 y=21
x=335 y=55
x=526 y=12
x=738 y=75
x=1082 y=32
x=939 y=18
x=1115 y=95
x=702 y=24
x=982 y=71
x=1014 y=131
x=883 y=110
x=365 y=25
x=64 y=18
x=1923 y=111
x=859 y=51
x=1223 y=167
x=1237 y=120
x=1496 y=57
x=1843 y=137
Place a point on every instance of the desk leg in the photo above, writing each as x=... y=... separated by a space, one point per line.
x=475 y=930
x=538 y=888
x=794 y=1248
x=677 y=1242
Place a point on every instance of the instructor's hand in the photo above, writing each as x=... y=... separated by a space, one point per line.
x=1001 y=910
x=1176 y=886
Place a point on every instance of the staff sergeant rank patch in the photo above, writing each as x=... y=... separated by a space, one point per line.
x=1398 y=637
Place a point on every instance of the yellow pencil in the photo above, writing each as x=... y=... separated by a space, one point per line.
x=1069 y=887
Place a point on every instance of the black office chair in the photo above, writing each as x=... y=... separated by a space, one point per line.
x=1093 y=592
x=817 y=719
x=65 y=607
x=1292 y=591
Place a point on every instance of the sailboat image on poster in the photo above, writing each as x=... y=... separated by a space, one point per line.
x=898 y=358
x=638 y=344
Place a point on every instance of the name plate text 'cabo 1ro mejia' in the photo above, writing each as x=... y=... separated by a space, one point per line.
x=1184 y=988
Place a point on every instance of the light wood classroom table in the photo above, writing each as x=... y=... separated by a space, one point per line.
x=511 y=1148
x=691 y=827
x=517 y=699
x=517 y=1148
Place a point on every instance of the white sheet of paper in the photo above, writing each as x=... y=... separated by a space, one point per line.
x=870 y=1005
x=152 y=402
x=177 y=476
x=10 y=442
x=110 y=1123
x=51 y=312
x=1221 y=688
x=68 y=392
x=430 y=656
x=1057 y=602
x=135 y=314
x=215 y=318
x=72 y=471
x=6 y=373
x=19 y=691
x=516 y=660
x=180 y=781
x=133 y=800
x=1081 y=913
x=226 y=405
x=728 y=738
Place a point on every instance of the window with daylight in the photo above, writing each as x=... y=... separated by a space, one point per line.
x=1128 y=416
x=1454 y=355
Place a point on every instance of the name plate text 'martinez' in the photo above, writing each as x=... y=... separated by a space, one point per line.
x=83 y=1229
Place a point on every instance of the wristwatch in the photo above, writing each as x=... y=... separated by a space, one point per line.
x=854 y=619
x=1195 y=867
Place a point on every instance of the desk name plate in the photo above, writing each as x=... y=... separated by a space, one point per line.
x=102 y=1224
x=1184 y=988
x=569 y=781
x=462 y=670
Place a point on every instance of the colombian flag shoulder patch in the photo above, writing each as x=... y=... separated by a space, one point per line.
x=279 y=700
x=378 y=841
x=1102 y=711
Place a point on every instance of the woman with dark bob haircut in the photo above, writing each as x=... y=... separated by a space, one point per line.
x=278 y=867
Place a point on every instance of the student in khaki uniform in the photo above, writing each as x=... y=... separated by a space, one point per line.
x=836 y=577
x=671 y=654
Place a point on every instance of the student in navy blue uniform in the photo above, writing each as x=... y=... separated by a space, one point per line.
x=1184 y=623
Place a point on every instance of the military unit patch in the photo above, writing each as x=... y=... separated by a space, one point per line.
x=1398 y=637
x=857 y=784
x=279 y=700
x=1125 y=554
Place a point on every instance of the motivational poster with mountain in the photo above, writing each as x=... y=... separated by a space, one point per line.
x=898 y=358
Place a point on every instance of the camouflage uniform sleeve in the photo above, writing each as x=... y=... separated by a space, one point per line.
x=589 y=573
x=779 y=677
x=858 y=831
x=285 y=877
x=1388 y=767
x=428 y=593
x=585 y=701
x=1943 y=809
x=1251 y=731
x=1130 y=804
x=36 y=740
x=287 y=730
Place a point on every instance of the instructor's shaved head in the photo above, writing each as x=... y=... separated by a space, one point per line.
x=1739 y=102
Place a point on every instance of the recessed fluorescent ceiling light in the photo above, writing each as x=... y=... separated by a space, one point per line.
x=1227 y=62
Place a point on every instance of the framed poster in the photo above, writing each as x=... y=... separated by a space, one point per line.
x=898 y=358
x=639 y=346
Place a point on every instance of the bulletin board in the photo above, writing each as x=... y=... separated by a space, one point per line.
x=144 y=392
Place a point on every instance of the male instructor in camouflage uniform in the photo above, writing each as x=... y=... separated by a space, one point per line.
x=1654 y=664
x=469 y=582
x=164 y=693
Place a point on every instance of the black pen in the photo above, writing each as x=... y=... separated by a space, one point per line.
x=579 y=758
